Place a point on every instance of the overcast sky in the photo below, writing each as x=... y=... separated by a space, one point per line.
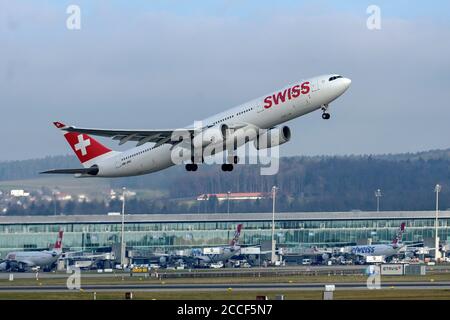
x=164 y=64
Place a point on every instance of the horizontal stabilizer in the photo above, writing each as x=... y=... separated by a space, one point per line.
x=91 y=171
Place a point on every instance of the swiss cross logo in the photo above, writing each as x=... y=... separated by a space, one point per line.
x=59 y=125
x=82 y=144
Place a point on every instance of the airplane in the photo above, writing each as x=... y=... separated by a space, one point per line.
x=219 y=254
x=259 y=120
x=385 y=250
x=24 y=260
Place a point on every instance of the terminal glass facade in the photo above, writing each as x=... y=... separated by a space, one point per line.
x=166 y=236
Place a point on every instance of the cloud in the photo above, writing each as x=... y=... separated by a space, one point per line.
x=153 y=69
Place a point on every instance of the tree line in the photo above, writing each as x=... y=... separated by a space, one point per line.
x=325 y=183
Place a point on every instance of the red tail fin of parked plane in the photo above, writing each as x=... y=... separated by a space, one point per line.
x=58 y=243
x=399 y=235
x=237 y=234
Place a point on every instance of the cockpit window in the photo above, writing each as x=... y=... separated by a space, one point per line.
x=334 y=78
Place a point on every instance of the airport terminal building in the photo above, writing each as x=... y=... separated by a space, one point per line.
x=155 y=232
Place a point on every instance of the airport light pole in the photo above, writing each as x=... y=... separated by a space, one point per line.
x=274 y=191
x=378 y=196
x=437 y=254
x=54 y=202
x=228 y=202
x=122 y=241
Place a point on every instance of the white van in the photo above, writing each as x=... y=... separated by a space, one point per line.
x=306 y=262
x=217 y=265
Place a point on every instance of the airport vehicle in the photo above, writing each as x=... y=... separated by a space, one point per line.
x=258 y=120
x=216 y=265
x=88 y=261
x=26 y=260
x=384 y=250
x=306 y=261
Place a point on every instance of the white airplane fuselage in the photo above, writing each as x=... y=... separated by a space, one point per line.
x=31 y=258
x=262 y=113
x=385 y=250
x=226 y=254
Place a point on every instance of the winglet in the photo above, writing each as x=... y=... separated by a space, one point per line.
x=59 y=125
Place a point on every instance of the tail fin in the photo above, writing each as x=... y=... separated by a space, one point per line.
x=398 y=237
x=58 y=243
x=237 y=234
x=85 y=147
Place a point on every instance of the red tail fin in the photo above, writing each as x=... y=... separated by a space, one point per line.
x=58 y=243
x=399 y=235
x=85 y=147
x=236 y=235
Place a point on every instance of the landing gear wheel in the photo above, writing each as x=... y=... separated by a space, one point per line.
x=227 y=167
x=326 y=116
x=191 y=167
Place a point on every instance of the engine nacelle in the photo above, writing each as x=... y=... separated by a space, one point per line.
x=213 y=135
x=272 y=138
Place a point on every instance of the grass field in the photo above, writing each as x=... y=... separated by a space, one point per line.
x=118 y=279
x=385 y=294
x=230 y=293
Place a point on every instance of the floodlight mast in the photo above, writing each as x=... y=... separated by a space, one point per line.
x=378 y=195
x=274 y=192
x=437 y=254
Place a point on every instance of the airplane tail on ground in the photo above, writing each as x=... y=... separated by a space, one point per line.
x=237 y=234
x=85 y=147
x=398 y=237
x=58 y=243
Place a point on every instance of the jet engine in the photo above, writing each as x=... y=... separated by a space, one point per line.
x=213 y=135
x=273 y=137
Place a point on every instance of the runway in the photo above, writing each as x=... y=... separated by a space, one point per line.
x=238 y=287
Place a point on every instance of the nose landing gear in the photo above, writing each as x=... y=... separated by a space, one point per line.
x=325 y=114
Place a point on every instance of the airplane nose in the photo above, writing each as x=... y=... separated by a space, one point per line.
x=347 y=82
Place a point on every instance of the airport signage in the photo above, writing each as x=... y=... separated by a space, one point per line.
x=374 y=259
x=139 y=270
x=392 y=269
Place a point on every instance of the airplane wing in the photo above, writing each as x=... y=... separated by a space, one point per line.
x=159 y=136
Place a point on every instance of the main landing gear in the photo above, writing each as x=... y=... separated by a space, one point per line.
x=225 y=167
x=191 y=167
x=229 y=166
x=325 y=114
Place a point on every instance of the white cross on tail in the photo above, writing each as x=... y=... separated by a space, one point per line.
x=82 y=144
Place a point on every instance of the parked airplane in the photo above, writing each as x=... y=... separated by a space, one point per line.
x=219 y=254
x=385 y=250
x=256 y=121
x=23 y=260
